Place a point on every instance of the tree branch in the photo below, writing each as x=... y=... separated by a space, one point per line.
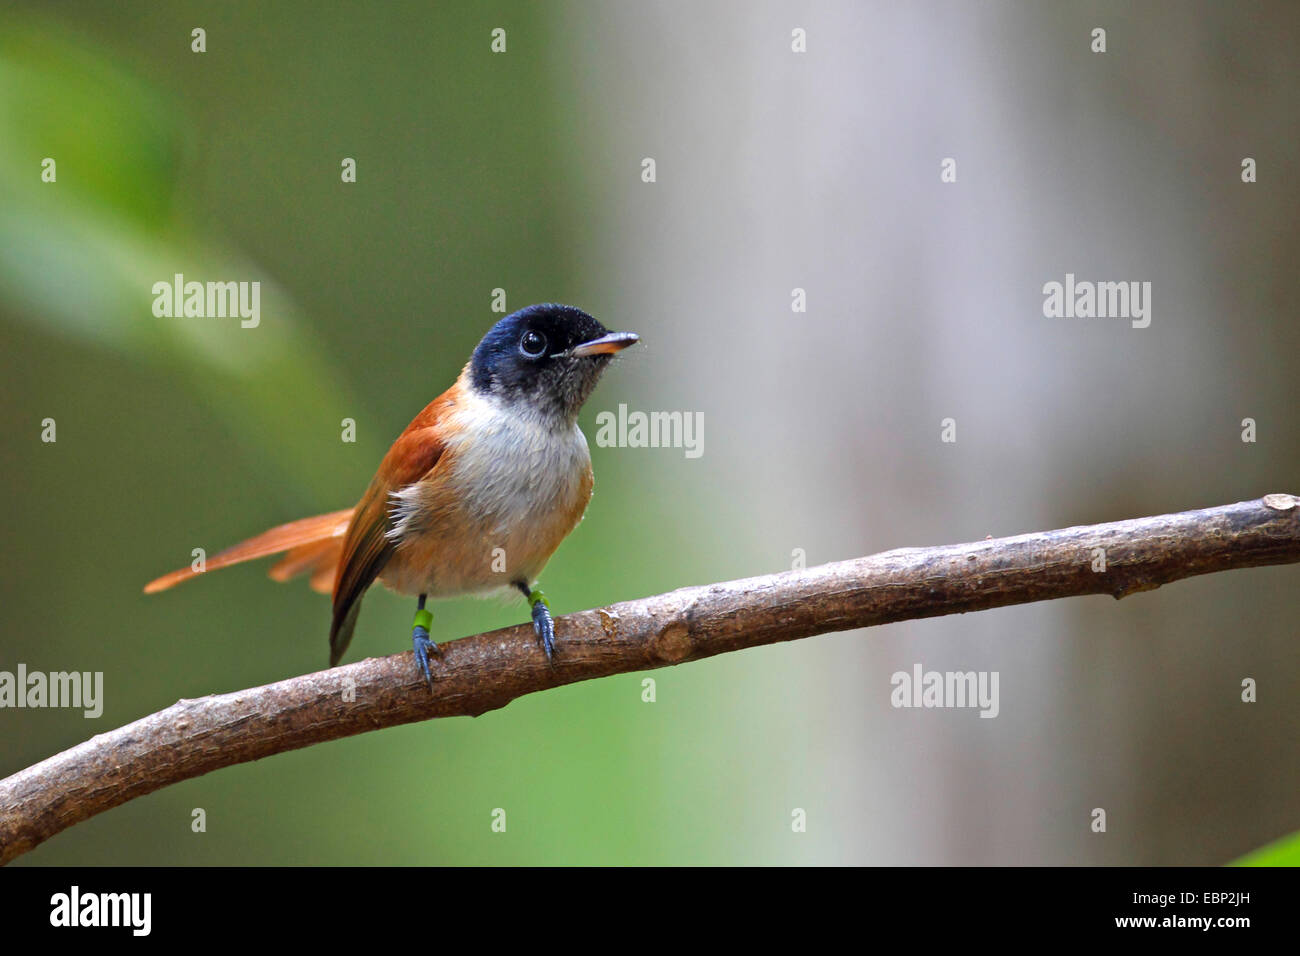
x=487 y=671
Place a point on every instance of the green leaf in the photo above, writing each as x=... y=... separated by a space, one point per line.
x=1283 y=852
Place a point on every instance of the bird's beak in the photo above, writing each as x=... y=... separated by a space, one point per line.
x=606 y=344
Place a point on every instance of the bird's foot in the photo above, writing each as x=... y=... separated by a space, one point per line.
x=542 y=623
x=423 y=645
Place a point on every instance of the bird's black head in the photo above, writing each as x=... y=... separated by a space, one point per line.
x=548 y=356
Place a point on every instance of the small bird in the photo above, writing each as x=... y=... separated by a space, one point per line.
x=473 y=497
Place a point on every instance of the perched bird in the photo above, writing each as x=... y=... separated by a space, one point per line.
x=474 y=496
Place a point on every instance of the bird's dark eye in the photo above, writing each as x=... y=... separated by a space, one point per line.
x=532 y=344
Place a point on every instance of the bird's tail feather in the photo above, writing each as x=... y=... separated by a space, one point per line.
x=314 y=546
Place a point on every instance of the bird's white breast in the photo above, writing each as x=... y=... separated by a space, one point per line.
x=515 y=484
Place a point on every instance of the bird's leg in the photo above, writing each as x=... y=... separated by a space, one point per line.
x=420 y=639
x=542 y=623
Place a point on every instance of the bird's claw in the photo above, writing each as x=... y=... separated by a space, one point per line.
x=423 y=645
x=545 y=628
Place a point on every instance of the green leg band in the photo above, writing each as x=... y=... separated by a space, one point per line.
x=423 y=619
x=537 y=597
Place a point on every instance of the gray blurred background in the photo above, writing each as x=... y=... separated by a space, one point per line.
x=775 y=170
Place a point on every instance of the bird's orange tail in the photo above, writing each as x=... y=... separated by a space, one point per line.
x=315 y=546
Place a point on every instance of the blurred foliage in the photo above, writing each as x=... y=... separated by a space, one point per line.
x=79 y=256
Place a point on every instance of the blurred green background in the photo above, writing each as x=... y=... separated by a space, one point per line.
x=776 y=170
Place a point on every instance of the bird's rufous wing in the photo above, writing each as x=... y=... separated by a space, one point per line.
x=367 y=547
